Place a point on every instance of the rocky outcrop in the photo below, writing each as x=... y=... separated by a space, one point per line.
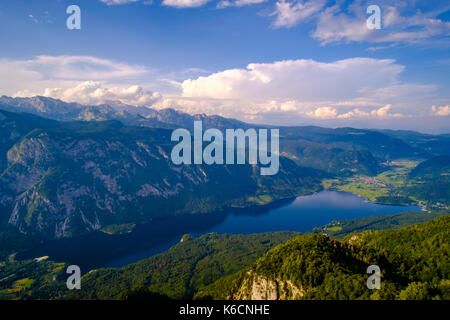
x=258 y=287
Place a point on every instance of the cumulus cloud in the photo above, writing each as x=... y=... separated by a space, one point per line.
x=332 y=113
x=91 y=92
x=82 y=79
x=184 y=3
x=36 y=74
x=441 y=111
x=282 y=92
x=291 y=90
x=323 y=113
x=382 y=113
x=296 y=80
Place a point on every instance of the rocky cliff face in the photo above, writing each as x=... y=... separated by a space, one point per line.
x=78 y=177
x=259 y=287
x=66 y=178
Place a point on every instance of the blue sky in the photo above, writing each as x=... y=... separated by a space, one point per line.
x=283 y=62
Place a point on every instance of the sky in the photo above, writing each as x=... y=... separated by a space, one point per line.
x=280 y=62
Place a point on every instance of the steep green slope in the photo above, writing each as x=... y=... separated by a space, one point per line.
x=414 y=263
x=436 y=167
x=331 y=159
x=12 y=240
x=432 y=145
x=183 y=269
x=32 y=279
x=435 y=193
x=405 y=182
x=348 y=149
x=380 y=145
x=339 y=229
x=60 y=179
x=430 y=182
x=14 y=126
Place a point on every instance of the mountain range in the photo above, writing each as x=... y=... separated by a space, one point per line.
x=68 y=169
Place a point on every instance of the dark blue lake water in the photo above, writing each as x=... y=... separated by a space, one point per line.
x=301 y=214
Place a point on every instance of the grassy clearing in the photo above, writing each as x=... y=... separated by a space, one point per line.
x=366 y=191
x=334 y=229
x=118 y=228
x=261 y=199
x=381 y=185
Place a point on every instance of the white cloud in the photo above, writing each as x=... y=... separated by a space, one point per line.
x=32 y=18
x=91 y=92
x=184 y=3
x=81 y=67
x=291 y=13
x=82 y=79
x=382 y=113
x=282 y=92
x=34 y=75
x=323 y=113
x=117 y=2
x=441 y=111
x=291 y=90
x=338 y=23
x=237 y=3
x=342 y=21
x=334 y=25
x=187 y=3
x=296 y=80
x=332 y=113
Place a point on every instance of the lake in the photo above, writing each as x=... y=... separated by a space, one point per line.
x=301 y=214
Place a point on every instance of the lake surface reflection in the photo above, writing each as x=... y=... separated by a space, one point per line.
x=301 y=214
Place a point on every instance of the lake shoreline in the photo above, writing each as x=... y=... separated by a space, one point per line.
x=298 y=214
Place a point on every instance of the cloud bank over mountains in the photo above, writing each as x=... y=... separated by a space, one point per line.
x=293 y=90
x=93 y=92
x=83 y=79
x=349 y=89
x=341 y=91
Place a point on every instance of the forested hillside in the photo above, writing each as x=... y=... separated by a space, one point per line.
x=431 y=181
x=179 y=272
x=414 y=263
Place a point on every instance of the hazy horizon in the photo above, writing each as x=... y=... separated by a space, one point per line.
x=434 y=131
